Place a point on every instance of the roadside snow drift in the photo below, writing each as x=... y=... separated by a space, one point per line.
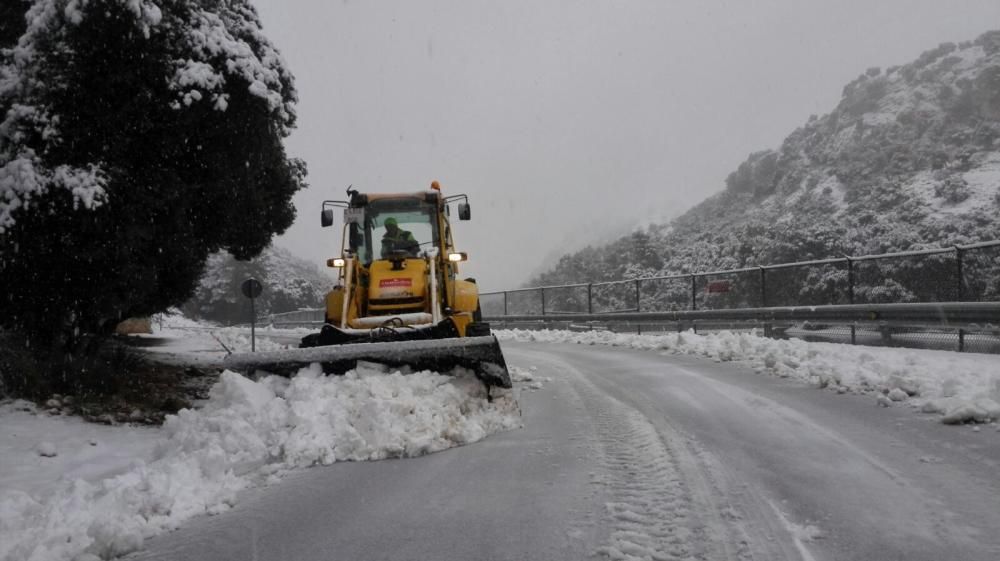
x=961 y=387
x=249 y=433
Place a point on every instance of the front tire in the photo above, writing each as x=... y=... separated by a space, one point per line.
x=477 y=329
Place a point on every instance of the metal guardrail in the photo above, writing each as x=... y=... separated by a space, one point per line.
x=961 y=326
x=303 y=317
x=938 y=313
x=944 y=325
x=935 y=313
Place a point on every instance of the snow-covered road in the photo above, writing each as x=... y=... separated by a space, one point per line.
x=630 y=454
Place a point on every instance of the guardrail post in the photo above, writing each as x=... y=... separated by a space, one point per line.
x=850 y=280
x=885 y=333
x=959 y=292
x=694 y=293
x=542 y=291
x=505 y=303
x=590 y=298
x=637 y=305
x=850 y=296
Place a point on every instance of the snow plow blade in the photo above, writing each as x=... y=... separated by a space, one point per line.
x=480 y=354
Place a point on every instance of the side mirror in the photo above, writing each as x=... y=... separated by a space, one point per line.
x=326 y=218
x=464 y=212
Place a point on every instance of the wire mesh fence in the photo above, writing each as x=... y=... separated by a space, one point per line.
x=981 y=274
x=566 y=300
x=667 y=294
x=725 y=290
x=962 y=273
x=616 y=297
x=958 y=274
x=526 y=302
x=808 y=285
x=927 y=278
x=493 y=304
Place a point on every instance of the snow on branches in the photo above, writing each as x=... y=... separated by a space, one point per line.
x=22 y=178
x=234 y=36
x=213 y=48
x=146 y=13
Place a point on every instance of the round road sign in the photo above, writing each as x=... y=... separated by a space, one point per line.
x=251 y=288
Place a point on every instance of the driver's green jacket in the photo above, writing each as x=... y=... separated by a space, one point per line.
x=403 y=240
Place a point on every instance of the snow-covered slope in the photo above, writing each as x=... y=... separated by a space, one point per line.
x=909 y=158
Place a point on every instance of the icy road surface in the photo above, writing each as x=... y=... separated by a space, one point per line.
x=629 y=454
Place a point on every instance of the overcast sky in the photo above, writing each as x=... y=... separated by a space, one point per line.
x=567 y=122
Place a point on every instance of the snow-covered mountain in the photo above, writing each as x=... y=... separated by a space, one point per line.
x=909 y=158
x=289 y=283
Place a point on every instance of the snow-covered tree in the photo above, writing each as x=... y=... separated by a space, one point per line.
x=137 y=137
x=290 y=283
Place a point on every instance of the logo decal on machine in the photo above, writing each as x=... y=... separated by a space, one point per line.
x=395 y=283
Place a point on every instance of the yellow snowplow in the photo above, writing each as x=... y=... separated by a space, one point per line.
x=399 y=300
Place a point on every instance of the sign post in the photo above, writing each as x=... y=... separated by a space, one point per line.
x=252 y=288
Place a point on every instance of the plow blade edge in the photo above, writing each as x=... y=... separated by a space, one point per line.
x=480 y=354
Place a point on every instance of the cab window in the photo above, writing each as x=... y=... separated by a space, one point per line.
x=411 y=215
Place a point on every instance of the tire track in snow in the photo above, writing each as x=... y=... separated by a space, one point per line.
x=665 y=497
x=659 y=505
x=650 y=509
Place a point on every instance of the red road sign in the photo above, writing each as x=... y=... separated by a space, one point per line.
x=718 y=286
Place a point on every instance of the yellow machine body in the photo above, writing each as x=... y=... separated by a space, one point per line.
x=391 y=290
x=399 y=299
x=382 y=288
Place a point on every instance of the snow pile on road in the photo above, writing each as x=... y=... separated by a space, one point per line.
x=528 y=377
x=961 y=387
x=248 y=433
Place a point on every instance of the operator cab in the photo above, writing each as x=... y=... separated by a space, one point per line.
x=373 y=237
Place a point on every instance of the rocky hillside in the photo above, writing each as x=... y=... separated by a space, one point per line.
x=289 y=283
x=909 y=158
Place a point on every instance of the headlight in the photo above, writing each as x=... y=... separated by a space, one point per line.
x=456 y=257
x=336 y=262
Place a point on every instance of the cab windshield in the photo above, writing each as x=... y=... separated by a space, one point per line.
x=415 y=231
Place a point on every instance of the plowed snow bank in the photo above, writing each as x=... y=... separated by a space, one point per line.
x=248 y=433
x=962 y=387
